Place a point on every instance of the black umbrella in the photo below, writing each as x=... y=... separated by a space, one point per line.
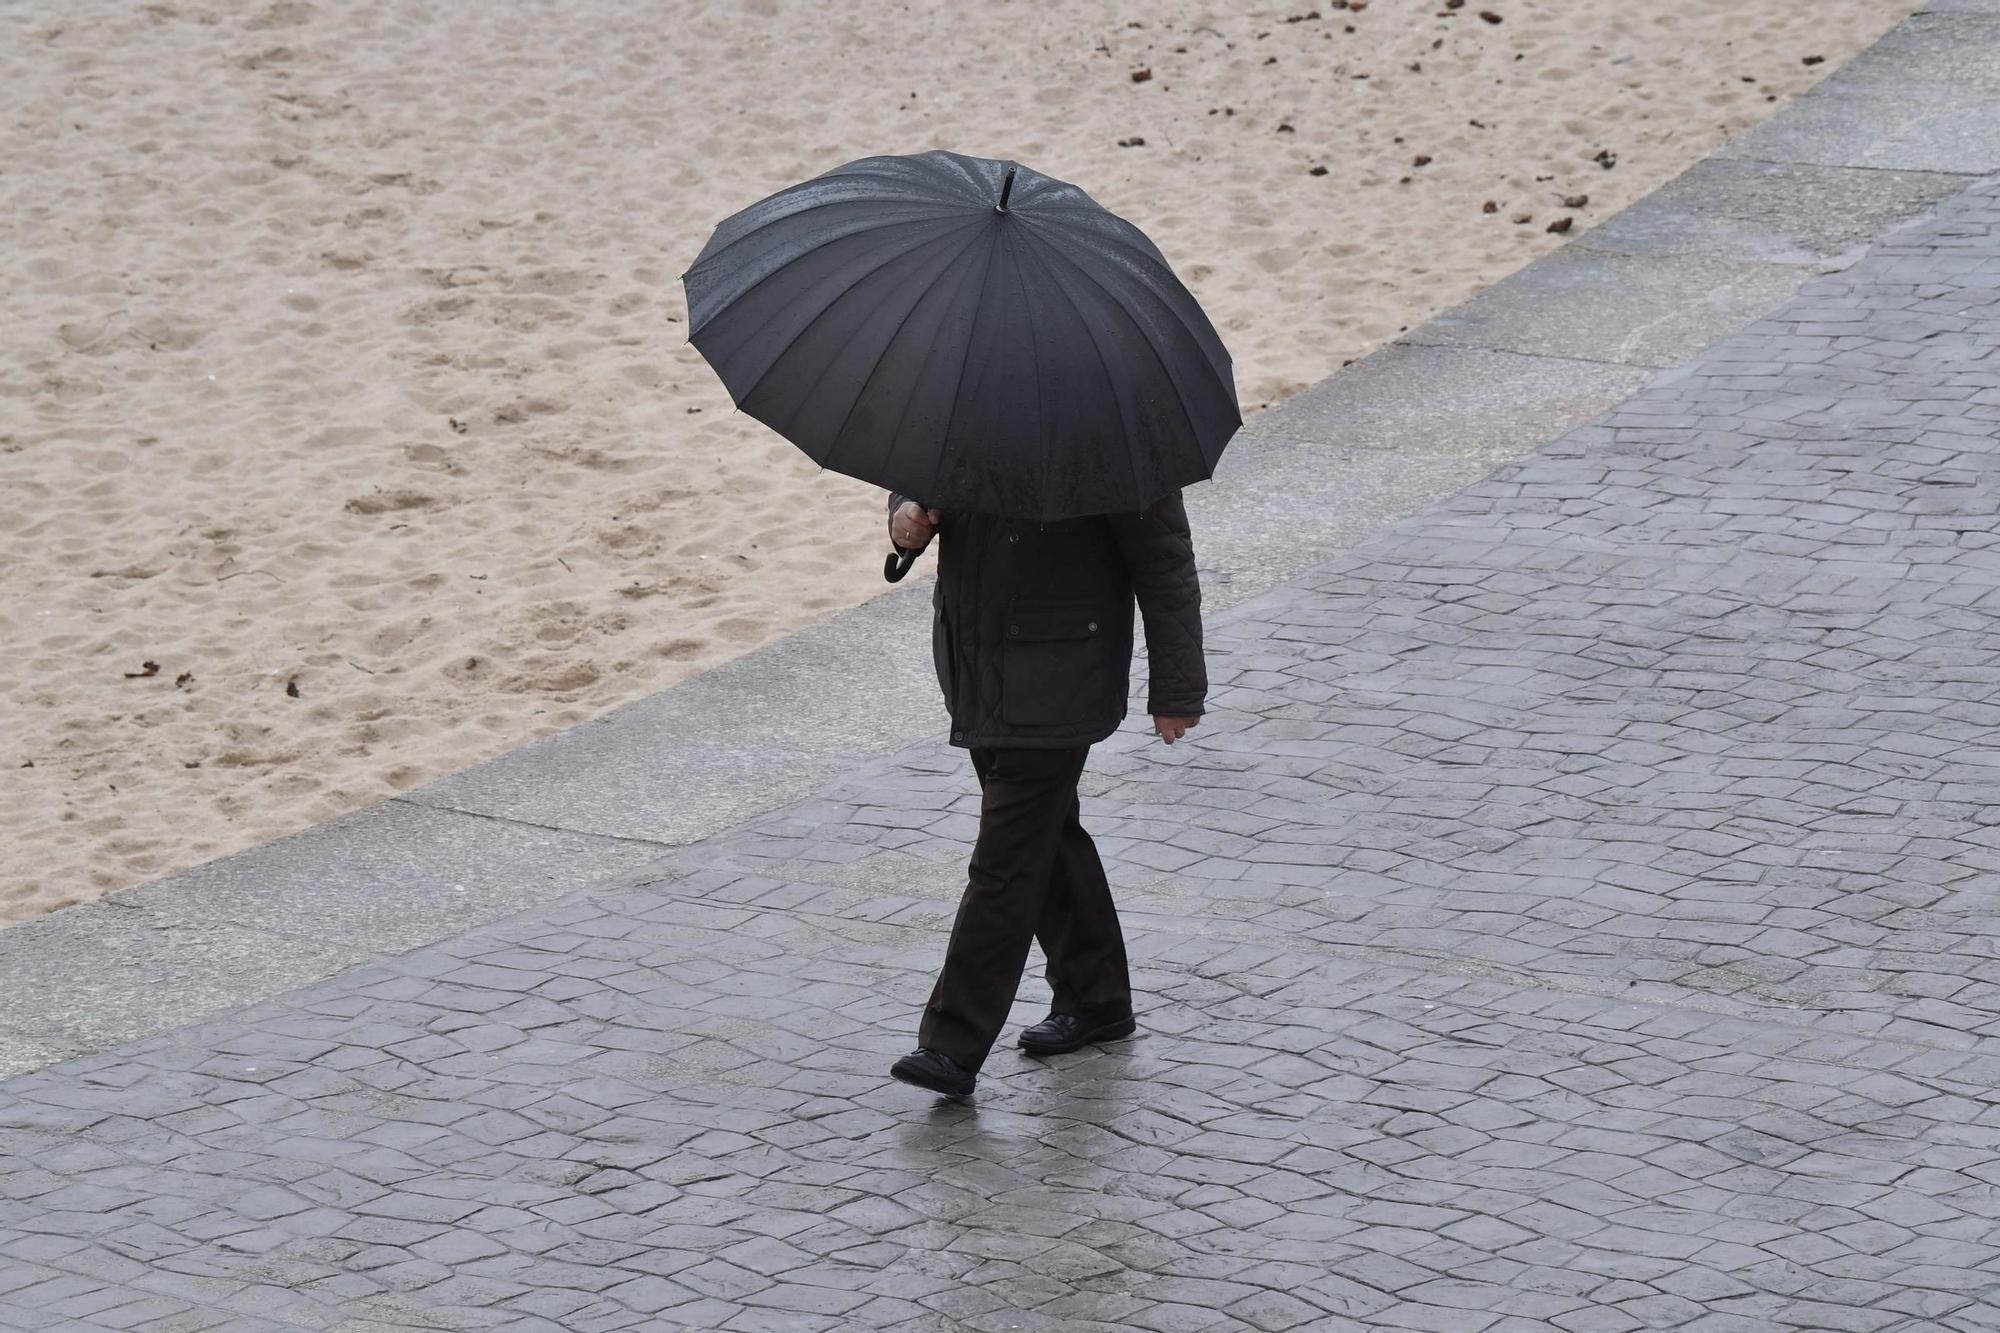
x=966 y=331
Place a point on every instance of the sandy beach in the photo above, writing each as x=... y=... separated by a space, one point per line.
x=348 y=431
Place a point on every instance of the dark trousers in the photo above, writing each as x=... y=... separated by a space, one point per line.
x=1034 y=875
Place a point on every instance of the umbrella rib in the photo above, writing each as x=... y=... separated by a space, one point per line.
x=1180 y=398
x=943 y=210
x=1173 y=380
x=948 y=205
x=1110 y=381
x=978 y=190
x=951 y=418
x=972 y=194
x=808 y=325
x=1041 y=404
x=1157 y=261
x=887 y=343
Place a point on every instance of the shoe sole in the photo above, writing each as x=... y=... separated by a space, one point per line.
x=1124 y=1027
x=901 y=1077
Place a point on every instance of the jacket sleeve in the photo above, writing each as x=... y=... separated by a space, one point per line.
x=1158 y=549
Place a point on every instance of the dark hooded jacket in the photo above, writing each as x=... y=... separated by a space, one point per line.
x=1031 y=629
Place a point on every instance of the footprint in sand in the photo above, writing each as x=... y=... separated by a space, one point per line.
x=521 y=409
x=561 y=679
x=283 y=14
x=393 y=502
x=558 y=622
x=434 y=457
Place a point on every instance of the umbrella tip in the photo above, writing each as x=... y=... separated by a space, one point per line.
x=1006 y=188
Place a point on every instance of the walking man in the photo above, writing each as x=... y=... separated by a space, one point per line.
x=1032 y=640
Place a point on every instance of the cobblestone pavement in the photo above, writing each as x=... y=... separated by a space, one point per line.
x=1577 y=913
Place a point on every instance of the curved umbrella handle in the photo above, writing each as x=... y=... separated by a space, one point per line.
x=898 y=563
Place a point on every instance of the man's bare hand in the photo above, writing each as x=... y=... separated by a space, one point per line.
x=1171 y=729
x=913 y=526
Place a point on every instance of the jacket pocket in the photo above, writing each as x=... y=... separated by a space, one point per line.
x=1053 y=670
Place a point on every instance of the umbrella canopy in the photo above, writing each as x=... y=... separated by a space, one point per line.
x=968 y=332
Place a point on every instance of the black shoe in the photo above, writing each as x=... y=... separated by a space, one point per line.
x=1059 y=1033
x=928 y=1069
